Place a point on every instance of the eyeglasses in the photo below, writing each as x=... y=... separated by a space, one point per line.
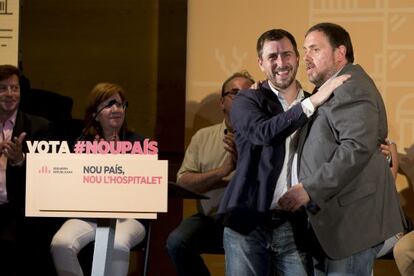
x=232 y=93
x=12 y=88
x=122 y=105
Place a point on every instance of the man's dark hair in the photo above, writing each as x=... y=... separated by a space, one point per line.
x=337 y=36
x=7 y=70
x=275 y=35
x=242 y=74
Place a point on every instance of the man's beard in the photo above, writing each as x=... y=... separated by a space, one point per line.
x=287 y=82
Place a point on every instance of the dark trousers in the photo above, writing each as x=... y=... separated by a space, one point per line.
x=9 y=221
x=194 y=236
x=25 y=243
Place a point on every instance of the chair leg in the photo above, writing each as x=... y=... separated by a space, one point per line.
x=147 y=250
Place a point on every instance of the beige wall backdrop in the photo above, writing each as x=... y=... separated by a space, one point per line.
x=222 y=38
x=9 y=31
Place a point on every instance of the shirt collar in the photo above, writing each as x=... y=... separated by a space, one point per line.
x=11 y=121
x=299 y=97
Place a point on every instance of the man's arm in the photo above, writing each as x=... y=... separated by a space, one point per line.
x=260 y=126
x=389 y=149
x=210 y=180
x=191 y=176
x=263 y=127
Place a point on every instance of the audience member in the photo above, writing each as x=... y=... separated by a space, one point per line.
x=404 y=248
x=105 y=119
x=389 y=149
x=404 y=254
x=206 y=169
x=20 y=237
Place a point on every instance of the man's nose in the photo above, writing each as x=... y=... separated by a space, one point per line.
x=280 y=60
x=9 y=90
x=306 y=56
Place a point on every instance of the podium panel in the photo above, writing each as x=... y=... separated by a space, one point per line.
x=96 y=185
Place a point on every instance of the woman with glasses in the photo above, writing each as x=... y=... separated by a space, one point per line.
x=105 y=120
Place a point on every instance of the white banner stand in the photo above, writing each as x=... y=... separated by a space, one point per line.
x=104 y=245
x=99 y=186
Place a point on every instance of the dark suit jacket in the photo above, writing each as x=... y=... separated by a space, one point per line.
x=36 y=129
x=344 y=172
x=23 y=237
x=261 y=128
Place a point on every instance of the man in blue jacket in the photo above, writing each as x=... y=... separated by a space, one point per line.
x=259 y=238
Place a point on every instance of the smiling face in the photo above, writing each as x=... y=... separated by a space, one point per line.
x=322 y=61
x=9 y=96
x=279 y=62
x=111 y=118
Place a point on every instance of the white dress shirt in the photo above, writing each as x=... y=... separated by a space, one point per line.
x=284 y=180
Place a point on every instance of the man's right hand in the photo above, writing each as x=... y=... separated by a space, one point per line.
x=230 y=162
x=256 y=85
x=326 y=90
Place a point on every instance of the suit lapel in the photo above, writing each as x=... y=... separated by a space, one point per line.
x=273 y=103
x=304 y=132
x=18 y=125
x=13 y=176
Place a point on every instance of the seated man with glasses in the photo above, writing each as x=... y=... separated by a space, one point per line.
x=207 y=168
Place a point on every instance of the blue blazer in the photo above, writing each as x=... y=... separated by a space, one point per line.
x=261 y=128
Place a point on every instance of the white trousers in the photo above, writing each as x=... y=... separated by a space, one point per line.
x=77 y=233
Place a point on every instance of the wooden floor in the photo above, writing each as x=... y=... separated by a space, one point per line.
x=381 y=268
x=385 y=268
x=216 y=266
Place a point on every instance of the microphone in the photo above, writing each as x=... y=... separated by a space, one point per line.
x=108 y=105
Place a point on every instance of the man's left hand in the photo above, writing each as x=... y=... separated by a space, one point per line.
x=230 y=145
x=294 y=198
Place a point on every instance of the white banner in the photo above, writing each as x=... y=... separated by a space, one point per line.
x=96 y=185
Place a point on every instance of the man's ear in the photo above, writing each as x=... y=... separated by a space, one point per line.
x=260 y=62
x=341 y=52
x=222 y=102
